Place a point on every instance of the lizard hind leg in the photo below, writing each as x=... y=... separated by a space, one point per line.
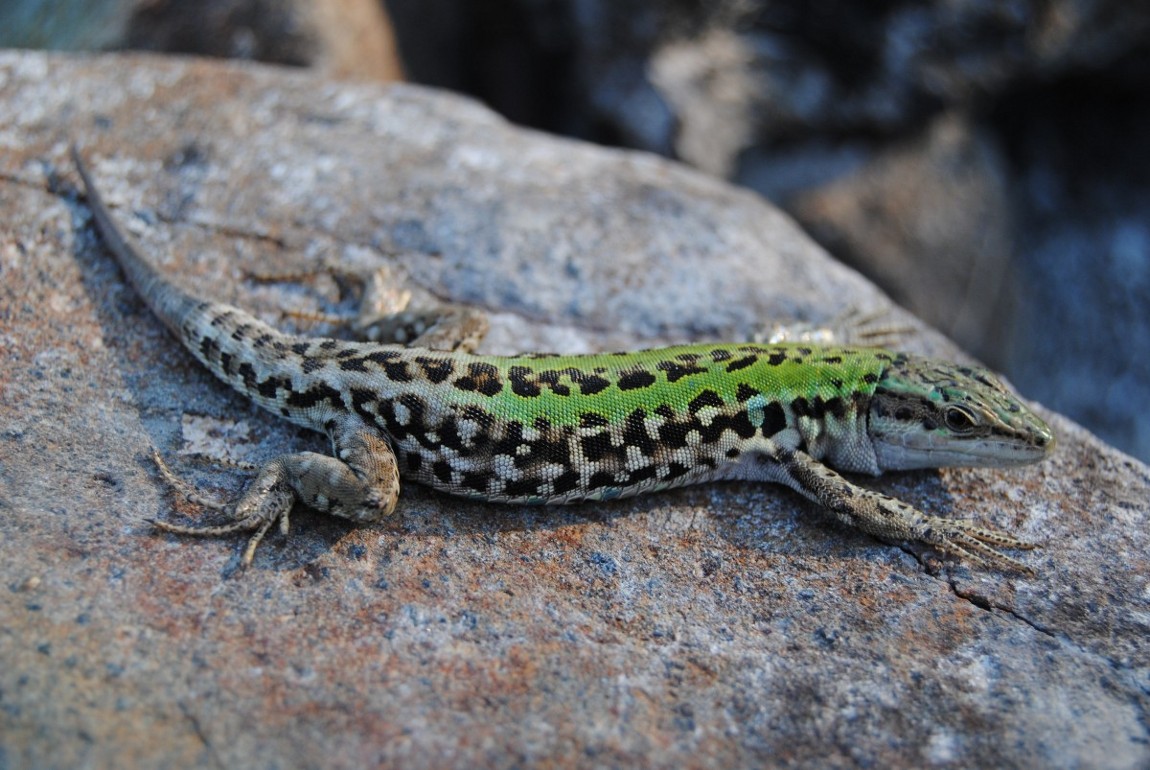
x=360 y=484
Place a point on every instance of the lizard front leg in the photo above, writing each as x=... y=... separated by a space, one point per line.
x=885 y=517
x=360 y=483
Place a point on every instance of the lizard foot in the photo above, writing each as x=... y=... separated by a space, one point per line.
x=268 y=500
x=974 y=543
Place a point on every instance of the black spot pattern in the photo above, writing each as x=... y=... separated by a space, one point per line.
x=314 y=396
x=484 y=418
x=635 y=433
x=774 y=419
x=442 y=471
x=481 y=378
x=745 y=393
x=590 y=384
x=362 y=401
x=673 y=433
x=593 y=420
x=449 y=435
x=248 y=375
x=208 y=348
x=566 y=482
x=476 y=481
x=436 y=370
x=836 y=407
x=529 y=384
x=741 y=363
x=525 y=487
x=636 y=380
x=600 y=479
x=523 y=382
x=643 y=474
x=704 y=399
x=596 y=446
x=676 y=372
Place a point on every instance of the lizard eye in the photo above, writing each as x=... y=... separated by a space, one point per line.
x=959 y=419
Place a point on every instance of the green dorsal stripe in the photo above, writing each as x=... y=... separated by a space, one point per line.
x=563 y=388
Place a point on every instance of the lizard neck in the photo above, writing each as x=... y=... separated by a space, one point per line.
x=839 y=437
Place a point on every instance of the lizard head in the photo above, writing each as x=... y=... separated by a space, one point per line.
x=930 y=414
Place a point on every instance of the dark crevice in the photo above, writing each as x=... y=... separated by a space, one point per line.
x=984 y=603
x=201 y=734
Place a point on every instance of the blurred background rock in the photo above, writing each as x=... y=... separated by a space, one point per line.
x=987 y=162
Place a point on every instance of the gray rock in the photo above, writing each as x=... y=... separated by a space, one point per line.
x=724 y=625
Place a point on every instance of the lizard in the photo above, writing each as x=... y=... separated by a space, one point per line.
x=549 y=428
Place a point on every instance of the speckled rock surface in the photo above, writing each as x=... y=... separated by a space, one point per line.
x=727 y=625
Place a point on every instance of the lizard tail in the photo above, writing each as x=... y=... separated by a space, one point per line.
x=170 y=303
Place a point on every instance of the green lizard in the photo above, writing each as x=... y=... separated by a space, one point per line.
x=559 y=428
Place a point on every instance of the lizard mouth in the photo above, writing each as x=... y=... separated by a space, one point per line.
x=928 y=451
